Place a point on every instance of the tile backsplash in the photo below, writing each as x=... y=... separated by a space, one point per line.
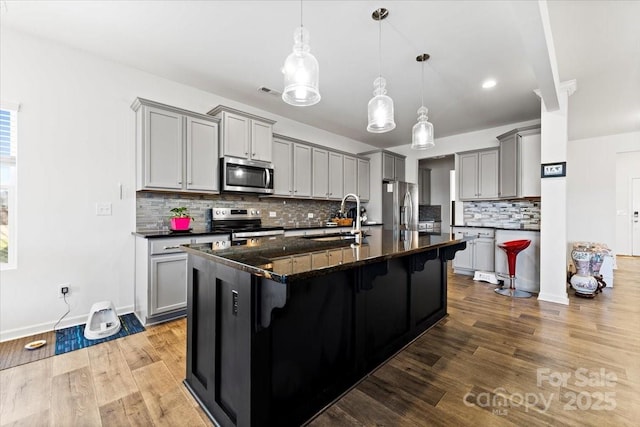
x=503 y=213
x=152 y=209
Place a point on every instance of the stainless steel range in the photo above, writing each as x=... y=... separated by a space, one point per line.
x=241 y=223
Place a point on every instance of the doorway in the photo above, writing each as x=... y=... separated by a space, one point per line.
x=635 y=216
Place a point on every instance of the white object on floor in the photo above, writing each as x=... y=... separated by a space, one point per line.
x=103 y=321
x=608 y=265
x=486 y=276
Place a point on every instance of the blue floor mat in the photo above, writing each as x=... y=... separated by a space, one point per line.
x=72 y=338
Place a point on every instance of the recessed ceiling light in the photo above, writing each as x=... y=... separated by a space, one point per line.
x=488 y=84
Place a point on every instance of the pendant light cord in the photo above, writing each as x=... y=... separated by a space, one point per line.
x=379 y=46
x=422 y=86
x=301 y=26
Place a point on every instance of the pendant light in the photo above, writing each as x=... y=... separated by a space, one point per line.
x=422 y=133
x=380 y=108
x=301 y=71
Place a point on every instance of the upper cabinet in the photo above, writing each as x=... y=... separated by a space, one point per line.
x=291 y=168
x=520 y=162
x=478 y=174
x=176 y=149
x=364 y=179
x=392 y=167
x=244 y=135
x=350 y=167
x=303 y=170
x=328 y=174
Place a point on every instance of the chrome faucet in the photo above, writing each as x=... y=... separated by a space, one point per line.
x=356 y=230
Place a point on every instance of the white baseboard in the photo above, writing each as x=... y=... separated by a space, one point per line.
x=558 y=299
x=39 y=328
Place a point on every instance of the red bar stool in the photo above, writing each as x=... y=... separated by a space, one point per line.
x=512 y=248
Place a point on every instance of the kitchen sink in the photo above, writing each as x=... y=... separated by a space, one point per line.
x=333 y=237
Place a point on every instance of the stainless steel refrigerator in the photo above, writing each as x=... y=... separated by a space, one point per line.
x=399 y=206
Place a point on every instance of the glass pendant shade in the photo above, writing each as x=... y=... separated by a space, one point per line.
x=422 y=134
x=380 y=109
x=301 y=73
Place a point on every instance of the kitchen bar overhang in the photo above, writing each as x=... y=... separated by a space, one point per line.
x=270 y=346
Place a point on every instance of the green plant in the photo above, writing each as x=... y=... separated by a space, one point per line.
x=181 y=212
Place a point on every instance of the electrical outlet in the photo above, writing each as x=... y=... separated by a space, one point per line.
x=309 y=215
x=272 y=214
x=63 y=290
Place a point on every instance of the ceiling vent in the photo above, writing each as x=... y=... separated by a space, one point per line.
x=269 y=91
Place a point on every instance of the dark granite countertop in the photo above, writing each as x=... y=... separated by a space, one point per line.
x=154 y=234
x=264 y=260
x=498 y=228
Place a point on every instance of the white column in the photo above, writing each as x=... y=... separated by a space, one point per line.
x=553 y=204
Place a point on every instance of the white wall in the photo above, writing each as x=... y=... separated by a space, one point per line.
x=591 y=186
x=76 y=145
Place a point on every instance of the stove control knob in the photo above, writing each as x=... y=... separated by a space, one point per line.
x=217 y=212
x=257 y=212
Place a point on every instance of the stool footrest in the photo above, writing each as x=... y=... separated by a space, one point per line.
x=515 y=293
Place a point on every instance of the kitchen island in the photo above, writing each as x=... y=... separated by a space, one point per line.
x=278 y=328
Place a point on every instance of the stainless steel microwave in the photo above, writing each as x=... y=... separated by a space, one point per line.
x=246 y=176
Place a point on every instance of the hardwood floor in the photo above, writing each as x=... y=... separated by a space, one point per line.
x=494 y=361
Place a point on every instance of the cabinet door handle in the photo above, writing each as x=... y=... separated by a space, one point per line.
x=172 y=247
x=253 y=154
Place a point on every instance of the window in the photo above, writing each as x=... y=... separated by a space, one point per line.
x=8 y=187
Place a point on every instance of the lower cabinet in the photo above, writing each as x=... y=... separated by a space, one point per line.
x=479 y=254
x=161 y=277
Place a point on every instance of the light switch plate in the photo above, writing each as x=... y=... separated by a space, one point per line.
x=103 y=209
x=272 y=214
x=309 y=215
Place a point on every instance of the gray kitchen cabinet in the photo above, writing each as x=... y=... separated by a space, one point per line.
x=364 y=179
x=478 y=174
x=393 y=168
x=520 y=152
x=301 y=170
x=245 y=135
x=328 y=174
x=336 y=176
x=350 y=167
x=161 y=276
x=282 y=167
x=176 y=149
x=166 y=272
x=291 y=168
x=424 y=186
x=480 y=252
x=529 y=160
x=508 y=174
x=320 y=181
x=520 y=162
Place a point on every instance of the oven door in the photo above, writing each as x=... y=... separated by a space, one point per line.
x=247 y=176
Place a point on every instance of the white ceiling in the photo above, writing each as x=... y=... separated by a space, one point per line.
x=232 y=47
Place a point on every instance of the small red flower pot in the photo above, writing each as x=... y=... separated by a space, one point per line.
x=180 y=223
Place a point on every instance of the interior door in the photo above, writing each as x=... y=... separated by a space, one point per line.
x=635 y=216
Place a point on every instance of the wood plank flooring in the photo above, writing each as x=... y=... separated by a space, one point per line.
x=494 y=361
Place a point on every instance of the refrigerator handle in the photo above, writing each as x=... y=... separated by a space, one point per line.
x=408 y=205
